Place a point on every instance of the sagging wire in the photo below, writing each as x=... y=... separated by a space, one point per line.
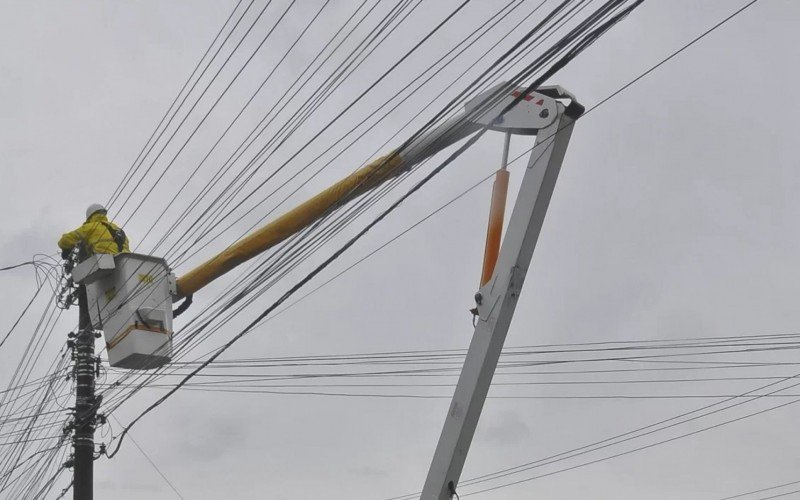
x=583 y=39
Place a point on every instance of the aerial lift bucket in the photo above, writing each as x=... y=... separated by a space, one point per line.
x=130 y=299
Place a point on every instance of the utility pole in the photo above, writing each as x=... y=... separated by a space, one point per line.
x=85 y=404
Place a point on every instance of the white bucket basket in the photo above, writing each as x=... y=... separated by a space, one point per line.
x=131 y=302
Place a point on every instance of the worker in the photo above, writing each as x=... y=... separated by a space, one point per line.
x=96 y=235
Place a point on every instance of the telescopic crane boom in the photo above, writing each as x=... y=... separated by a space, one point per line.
x=363 y=180
x=130 y=295
x=497 y=296
x=517 y=120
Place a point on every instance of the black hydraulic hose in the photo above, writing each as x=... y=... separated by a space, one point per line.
x=187 y=301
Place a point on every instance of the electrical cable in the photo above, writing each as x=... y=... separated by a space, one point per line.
x=208 y=113
x=175 y=113
x=122 y=183
x=153 y=464
x=583 y=40
x=9 y=268
x=762 y=490
x=347 y=108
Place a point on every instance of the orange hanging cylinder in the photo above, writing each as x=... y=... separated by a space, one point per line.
x=494 y=231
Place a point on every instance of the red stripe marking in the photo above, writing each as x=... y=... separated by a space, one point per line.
x=517 y=93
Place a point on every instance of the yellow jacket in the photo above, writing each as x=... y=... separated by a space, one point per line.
x=95 y=234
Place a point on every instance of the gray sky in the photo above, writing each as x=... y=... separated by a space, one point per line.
x=673 y=217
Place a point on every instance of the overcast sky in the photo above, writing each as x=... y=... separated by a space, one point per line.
x=675 y=216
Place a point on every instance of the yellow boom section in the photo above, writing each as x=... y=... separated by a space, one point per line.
x=290 y=223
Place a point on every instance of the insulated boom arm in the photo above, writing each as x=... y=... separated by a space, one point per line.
x=533 y=112
x=132 y=294
x=295 y=220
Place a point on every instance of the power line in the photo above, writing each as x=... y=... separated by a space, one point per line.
x=651 y=69
x=226 y=306
x=197 y=101
x=463 y=193
x=347 y=108
x=259 y=278
x=582 y=36
x=8 y=268
x=640 y=448
x=186 y=83
x=675 y=53
x=242 y=147
x=763 y=490
x=599 y=104
x=210 y=110
x=781 y=495
x=150 y=461
x=451 y=102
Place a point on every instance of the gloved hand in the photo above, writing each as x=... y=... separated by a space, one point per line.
x=65 y=253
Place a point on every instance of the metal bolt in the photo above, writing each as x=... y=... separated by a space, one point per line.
x=544 y=113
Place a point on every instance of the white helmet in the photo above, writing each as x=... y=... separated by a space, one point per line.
x=94 y=207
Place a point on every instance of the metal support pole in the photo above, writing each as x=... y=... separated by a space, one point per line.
x=85 y=407
x=496 y=303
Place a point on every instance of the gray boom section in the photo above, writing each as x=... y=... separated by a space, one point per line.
x=497 y=302
x=431 y=142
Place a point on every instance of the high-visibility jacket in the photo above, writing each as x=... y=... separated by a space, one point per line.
x=95 y=235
